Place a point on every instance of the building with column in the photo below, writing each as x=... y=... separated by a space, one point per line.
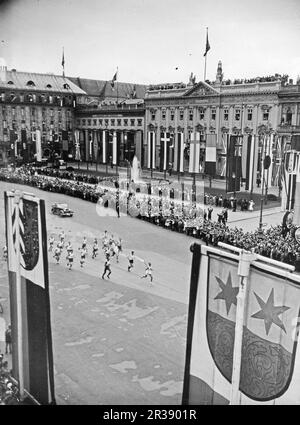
x=110 y=121
x=212 y=110
x=36 y=115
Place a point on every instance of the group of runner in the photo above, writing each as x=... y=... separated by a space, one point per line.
x=111 y=247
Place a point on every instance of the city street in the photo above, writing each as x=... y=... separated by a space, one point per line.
x=118 y=341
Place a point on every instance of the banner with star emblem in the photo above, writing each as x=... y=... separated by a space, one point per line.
x=26 y=235
x=270 y=355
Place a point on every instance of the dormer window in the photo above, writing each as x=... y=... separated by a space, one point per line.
x=10 y=82
x=49 y=86
x=66 y=86
x=30 y=83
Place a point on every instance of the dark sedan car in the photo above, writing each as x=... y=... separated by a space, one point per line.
x=62 y=210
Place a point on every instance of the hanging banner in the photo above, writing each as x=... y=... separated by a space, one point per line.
x=38 y=145
x=269 y=352
x=32 y=359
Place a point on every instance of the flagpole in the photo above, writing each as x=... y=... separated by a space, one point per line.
x=245 y=259
x=205 y=55
x=17 y=198
x=117 y=86
x=204 y=69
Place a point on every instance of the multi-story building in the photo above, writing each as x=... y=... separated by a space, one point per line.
x=36 y=114
x=46 y=115
x=217 y=108
x=110 y=115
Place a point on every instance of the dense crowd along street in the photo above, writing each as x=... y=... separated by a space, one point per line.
x=194 y=220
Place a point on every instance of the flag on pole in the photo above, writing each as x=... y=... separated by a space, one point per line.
x=207 y=47
x=63 y=62
x=269 y=353
x=63 y=59
x=114 y=78
x=29 y=295
x=194 y=157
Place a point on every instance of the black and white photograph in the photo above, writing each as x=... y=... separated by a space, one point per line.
x=149 y=205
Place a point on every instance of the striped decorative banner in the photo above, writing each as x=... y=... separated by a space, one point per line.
x=211 y=154
x=115 y=148
x=104 y=147
x=151 y=150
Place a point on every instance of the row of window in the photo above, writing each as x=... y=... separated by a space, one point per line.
x=33 y=112
x=112 y=122
x=68 y=125
x=37 y=98
x=237 y=114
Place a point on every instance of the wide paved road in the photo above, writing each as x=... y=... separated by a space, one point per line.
x=116 y=341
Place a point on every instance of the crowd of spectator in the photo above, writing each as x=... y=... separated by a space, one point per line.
x=189 y=218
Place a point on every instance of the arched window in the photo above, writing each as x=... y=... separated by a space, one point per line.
x=30 y=83
x=66 y=86
x=10 y=82
x=49 y=86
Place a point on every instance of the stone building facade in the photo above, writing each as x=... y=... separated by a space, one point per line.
x=36 y=110
x=218 y=108
x=105 y=120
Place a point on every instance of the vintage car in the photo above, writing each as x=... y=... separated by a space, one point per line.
x=62 y=210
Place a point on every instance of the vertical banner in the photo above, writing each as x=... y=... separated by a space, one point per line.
x=270 y=143
x=211 y=154
x=222 y=162
x=296 y=219
x=65 y=141
x=32 y=359
x=114 y=148
x=164 y=150
x=179 y=152
x=269 y=353
x=95 y=144
x=90 y=139
x=234 y=164
x=252 y=164
x=194 y=160
x=38 y=144
x=151 y=150
x=249 y=159
x=104 y=145
x=77 y=146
